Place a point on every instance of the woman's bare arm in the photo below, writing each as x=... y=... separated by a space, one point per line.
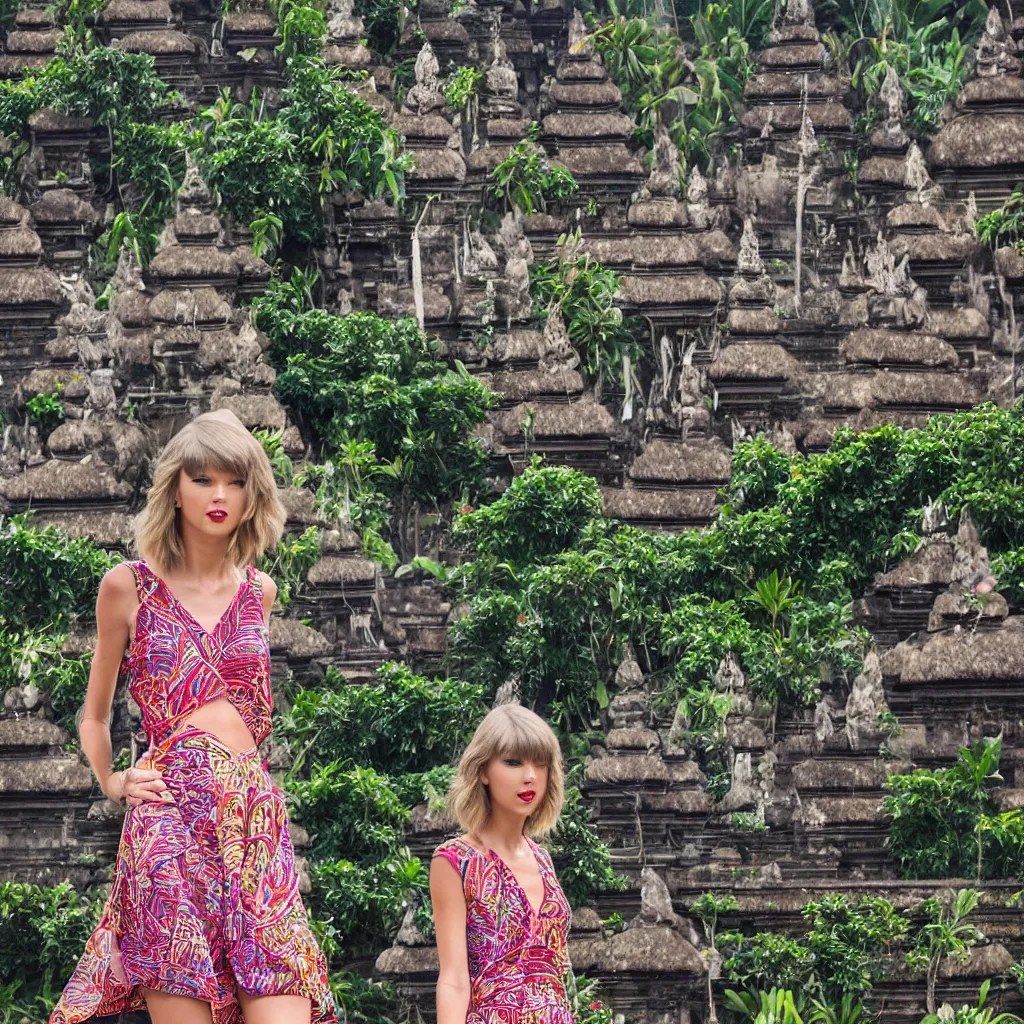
x=449 y=904
x=116 y=607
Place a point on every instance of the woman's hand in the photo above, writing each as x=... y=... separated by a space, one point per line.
x=137 y=785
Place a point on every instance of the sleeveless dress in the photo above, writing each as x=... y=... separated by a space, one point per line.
x=205 y=897
x=518 y=959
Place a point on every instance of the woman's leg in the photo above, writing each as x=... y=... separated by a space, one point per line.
x=167 y=1009
x=274 y=1009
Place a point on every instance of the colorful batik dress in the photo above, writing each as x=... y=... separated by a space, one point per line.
x=205 y=898
x=518 y=957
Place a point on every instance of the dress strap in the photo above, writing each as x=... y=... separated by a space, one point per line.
x=458 y=852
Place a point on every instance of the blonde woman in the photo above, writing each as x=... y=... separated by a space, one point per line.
x=501 y=917
x=204 y=923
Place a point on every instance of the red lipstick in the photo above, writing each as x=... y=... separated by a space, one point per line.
x=218 y=515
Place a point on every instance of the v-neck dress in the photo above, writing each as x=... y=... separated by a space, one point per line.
x=205 y=897
x=518 y=957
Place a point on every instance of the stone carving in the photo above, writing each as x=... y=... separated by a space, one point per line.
x=426 y=95
x=898 y=298
x=997 y=51
x=749 y=261
x=501 y=73
x=559 y=353
x=655 y=903
x=664 y=177
x=892 y=134
x=698 y=208
x=342 y=24
x=579 y=43
x=866 y=700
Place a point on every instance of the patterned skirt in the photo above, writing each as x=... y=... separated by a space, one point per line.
x=205 y=898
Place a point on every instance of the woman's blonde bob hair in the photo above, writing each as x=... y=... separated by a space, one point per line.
x=219 y=440
x=509 y=730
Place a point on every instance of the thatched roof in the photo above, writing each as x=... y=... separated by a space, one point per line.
x=704 y=462
x=930 y=565
x=585 y=418
x=588 y=126
x=882 y=170
x=646 y=250
x=676 y=290
x=954 y=656
x=632 y=503
x=438 y=165
x=22 y=286
x=118 y=11
x=165 y=43
x=60 y=480
x=958 y=324
x=255 y=411
x=189 y=306
x=587 y=161
x=998 y=89
x=754 y=362
x=63 y=206
x=776 y=84
x=586 y=94
x=824 y=117
x=662 y=212
x=522 y=385
x=882 y=347
x=980 y=141
x=333 y=570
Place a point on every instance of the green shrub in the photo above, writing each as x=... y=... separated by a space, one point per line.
x=350 y=811
x=944 y=822
x=401 y=723
x=42 y=933
x=47 y=579
x=360 y=909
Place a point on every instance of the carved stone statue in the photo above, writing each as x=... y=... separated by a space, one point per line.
x=579 y=44
x=194 y=193
x=664 y=177
x=916 y=177
x=698 y=208
x=891 y=135
x=342 y=24
x=997 y=51
x=749 y=261
x=426 y=95
x=501 y=73
x=559 y=353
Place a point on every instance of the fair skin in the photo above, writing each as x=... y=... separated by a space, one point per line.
x=508 y=779
x=205 y=584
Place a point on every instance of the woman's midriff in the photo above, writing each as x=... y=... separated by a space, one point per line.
x=221 y=718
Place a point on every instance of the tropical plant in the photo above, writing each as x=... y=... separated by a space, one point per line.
x=46 y=410
x=707 y=907
x=778 y=1006
x=1005 y=224
x=584 y=863
x=527 y=180
x=461 y=85
x=584 y=293
x=400 y=723
x=940 y=820
x=979 y=1014
x=946 y=935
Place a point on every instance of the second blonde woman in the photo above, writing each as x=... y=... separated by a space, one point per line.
x=501 y=917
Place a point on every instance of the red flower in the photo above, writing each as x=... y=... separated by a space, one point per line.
x=520 y=619
x=465 y=509
x=596 y=1006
